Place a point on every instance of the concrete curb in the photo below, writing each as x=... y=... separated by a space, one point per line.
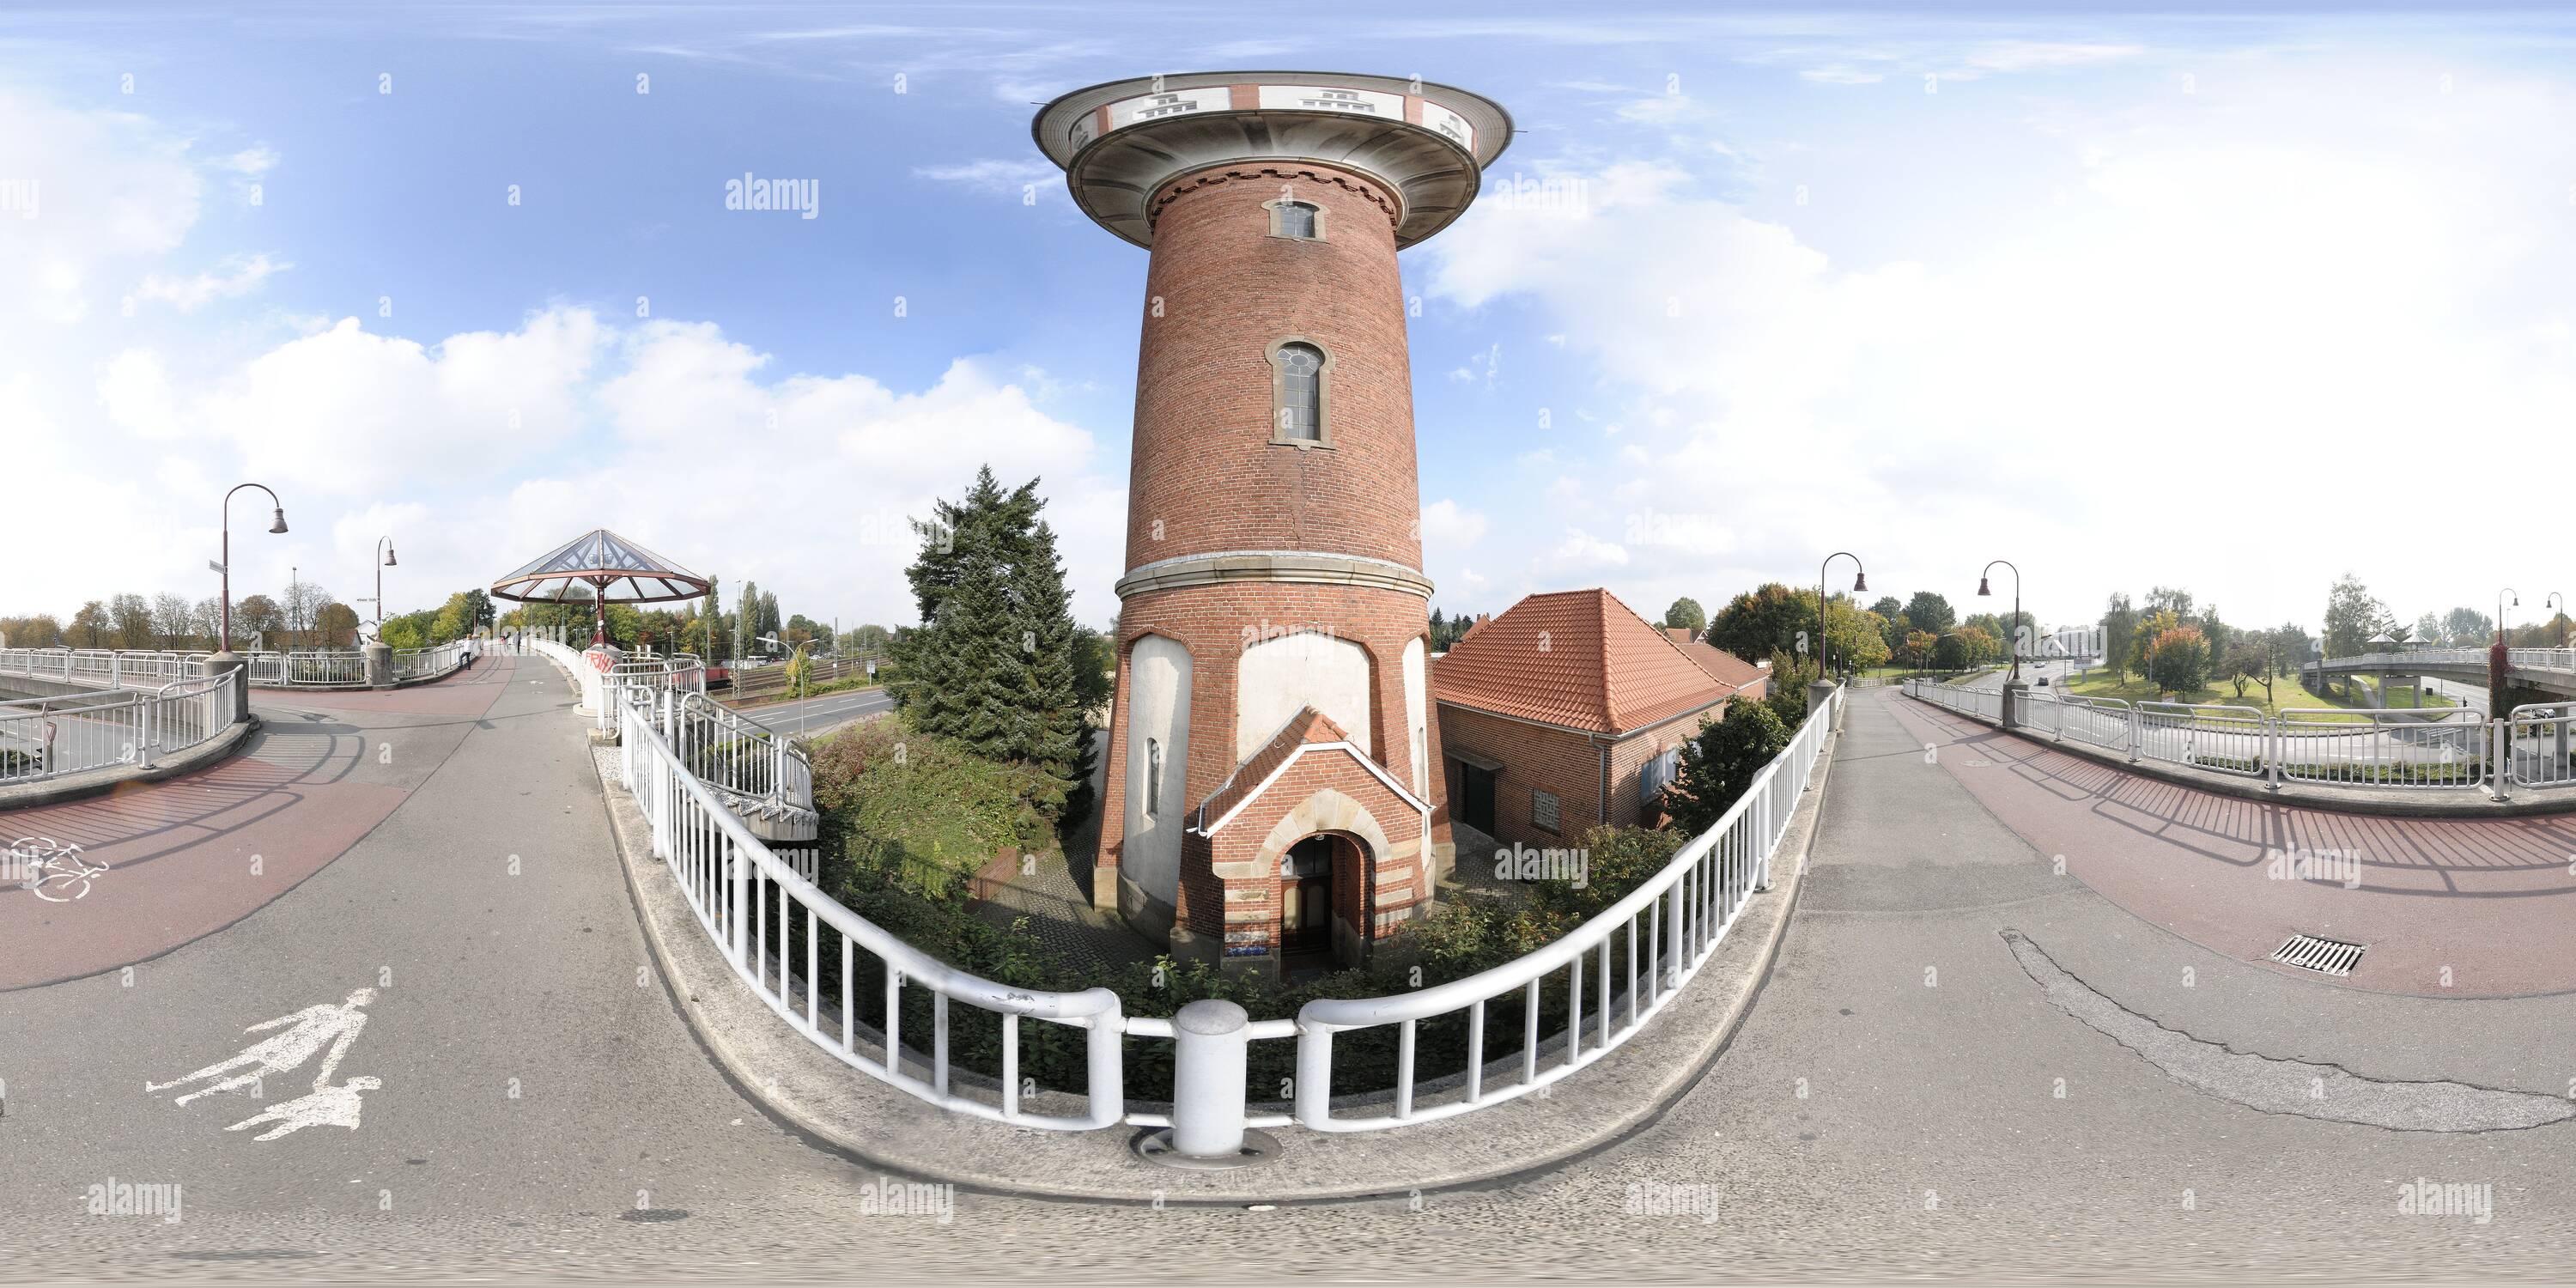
x=99 y=782
x=812 y=1092
x=2388 y=802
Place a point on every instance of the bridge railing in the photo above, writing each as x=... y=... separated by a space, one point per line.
x=760 y=770
x=1640 y=951
x=2537 y=742
x=50 y=737
x=747 y=898
x=2213 y=736
x=136 y=669
x=2431 y=747
x=680 y=756
x=420 y=663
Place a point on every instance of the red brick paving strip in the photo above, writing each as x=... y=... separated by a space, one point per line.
x=2492 y=900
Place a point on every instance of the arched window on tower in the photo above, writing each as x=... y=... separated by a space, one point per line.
x=1297 y=393
x=1296 y=219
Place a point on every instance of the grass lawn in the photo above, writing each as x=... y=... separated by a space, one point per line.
x=2287 y=694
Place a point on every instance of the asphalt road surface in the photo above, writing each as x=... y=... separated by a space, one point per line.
x=816 y=715
x=1956 y=1070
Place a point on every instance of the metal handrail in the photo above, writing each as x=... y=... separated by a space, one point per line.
x=735 y=884
x=1678 y=918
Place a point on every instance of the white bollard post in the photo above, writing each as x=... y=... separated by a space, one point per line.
x=1212 y=1041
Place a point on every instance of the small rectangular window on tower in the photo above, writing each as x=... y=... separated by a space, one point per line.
x=1543 y=811
x=1296 y=219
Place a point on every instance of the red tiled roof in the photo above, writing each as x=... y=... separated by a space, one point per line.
x=1724 y=667
x=1578 y=658
x=1678 y=634
x=1306 y=727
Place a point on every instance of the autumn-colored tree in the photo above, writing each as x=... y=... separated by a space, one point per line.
x=2178 y=660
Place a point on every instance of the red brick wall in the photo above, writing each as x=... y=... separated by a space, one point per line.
x=1204 y=474
x=1216 y=623
x=1252 y=917
x=1205 y=477
x=1539 y=758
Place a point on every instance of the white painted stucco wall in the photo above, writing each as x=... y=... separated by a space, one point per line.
x=1158 y=707
x=1278 y=676
x=1417 y=717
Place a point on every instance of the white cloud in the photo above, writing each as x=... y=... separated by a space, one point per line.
x=2288 y=290
x=135 y=392
x=351 y=412
x=236 y=275
x=1013 y=177
x=1450 y=527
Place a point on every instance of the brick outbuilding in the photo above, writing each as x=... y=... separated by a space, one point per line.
x=1569 y=711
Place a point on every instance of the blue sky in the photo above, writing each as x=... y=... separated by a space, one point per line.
x=2116 y=294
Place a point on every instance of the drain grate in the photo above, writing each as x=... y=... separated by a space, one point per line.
x=2324 y=956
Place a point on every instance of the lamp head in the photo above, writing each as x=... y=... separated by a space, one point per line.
x=1983 y=588
x=278 y=522
x=1860 y=584
x=390 y=561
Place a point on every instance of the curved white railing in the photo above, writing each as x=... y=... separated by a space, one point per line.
x=760 y=770
x=1668 y=927
x=326 y=669
x=50 y=737
x=2410 y=748
x=764 y=916
x=2543 y=659
x=740 y=891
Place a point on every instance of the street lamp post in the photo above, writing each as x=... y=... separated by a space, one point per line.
x=384 y=560
x=225 y=566
x=225 y=659
x=1860 y=585
x=2012 y=647
x=2558 y=615
x=2504 y=635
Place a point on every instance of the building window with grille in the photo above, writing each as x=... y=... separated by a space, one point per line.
x=1665 y=767
x=1295 y=220
x=1300 y=397
x=1153 y=778
x=1543 y=811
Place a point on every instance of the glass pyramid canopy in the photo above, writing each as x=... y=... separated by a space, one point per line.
x=602 y=567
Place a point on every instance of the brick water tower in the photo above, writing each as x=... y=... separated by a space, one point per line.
x=1274 y=783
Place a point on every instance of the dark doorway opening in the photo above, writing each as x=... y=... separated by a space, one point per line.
x=1476 y=797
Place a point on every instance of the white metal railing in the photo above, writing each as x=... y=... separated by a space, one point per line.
x=420 y=663
x=2430 y=747
x=764 y=916
x=2537 y=741
x=50 y=737
x=2545 y=659
x=681 y=673
x=759 y=770
x=2213 y=736
x=2436 y=747
x=134 y=669
x=749 y=899
x=1666 y=930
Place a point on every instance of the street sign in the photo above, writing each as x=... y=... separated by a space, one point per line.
x=216 y=566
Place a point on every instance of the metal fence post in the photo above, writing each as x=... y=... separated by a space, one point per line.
x=2500 y=757
x=2133 y=735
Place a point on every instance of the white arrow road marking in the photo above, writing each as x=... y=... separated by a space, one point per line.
x=307 y=1032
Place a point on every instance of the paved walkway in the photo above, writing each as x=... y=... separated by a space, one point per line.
x=2448 y=907
x=1916 y=1093
x=192 y=854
